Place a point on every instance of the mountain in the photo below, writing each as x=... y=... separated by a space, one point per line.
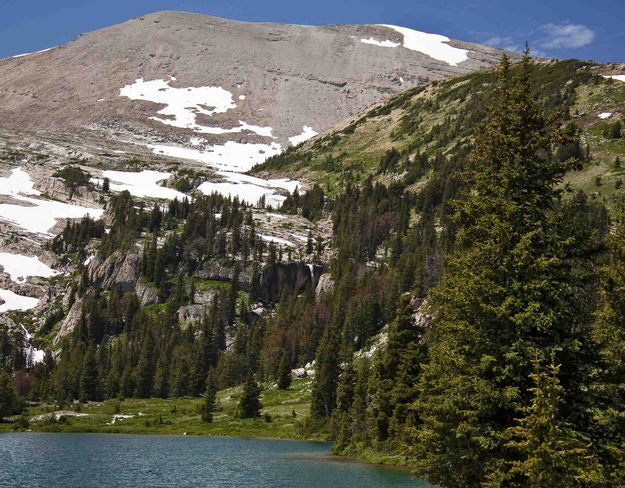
x=422 y=258
x=174 y=76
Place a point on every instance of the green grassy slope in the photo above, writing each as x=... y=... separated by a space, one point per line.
x=439 y=119
x=282 y=412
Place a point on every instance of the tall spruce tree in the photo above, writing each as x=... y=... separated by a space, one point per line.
x=249 y=405
x=326 y=376
x=395 y=369
x=608 y=409
x=210 y=398
x=553 y=453
x=518 y=287
x=284 y=372
x=89 y=377
x=9 y=400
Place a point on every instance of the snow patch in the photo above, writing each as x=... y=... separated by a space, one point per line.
x=277 y=240
x=434 y=45
x=19 y=183
x=37 y=215
x=141 y=184
x=182 y=105
x=385 y=43
x=13 y=301
x=250 y=188
x=307 y=133
x=231 y=156
x=616 y=77
x=20 y=267
x=605 y=115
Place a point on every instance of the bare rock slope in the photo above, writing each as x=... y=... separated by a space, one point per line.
x=276 y=78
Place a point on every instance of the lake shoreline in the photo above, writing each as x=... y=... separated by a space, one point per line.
x=329 y=456
x=93 y=460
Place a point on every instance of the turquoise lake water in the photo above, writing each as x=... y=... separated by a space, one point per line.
x=103 y=460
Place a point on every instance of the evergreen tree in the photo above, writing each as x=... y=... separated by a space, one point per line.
x=551 y=452
x=144 y=372
x=393 y=385
x=210 y=398
x=284 y=372
x=249 y=405
x=89 y=377
x=326 y=376
x=518 y=285
x=310 y=242
x=9 y=400
x=608 y=409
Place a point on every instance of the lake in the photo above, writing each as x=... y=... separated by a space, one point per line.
x=103 y=460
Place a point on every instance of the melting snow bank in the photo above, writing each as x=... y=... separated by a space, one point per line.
x=20 y=267
x=385 y=43
x=250 y=188
x=13 y=301
x=277 y=240
x=141 y=184
x=232 y=156
x=36 y=215
x=434 y=45
x=307 y=133
x=41 y=215
x=615 y=77
x=19 y=183
x=183 y=104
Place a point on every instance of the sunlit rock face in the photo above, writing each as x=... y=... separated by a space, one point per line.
x=228 y=90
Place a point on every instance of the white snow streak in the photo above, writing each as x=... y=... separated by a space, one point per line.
x=616 y=77
x=384 y=43
x=434 y=45
x=250 y=188
x=36 y=52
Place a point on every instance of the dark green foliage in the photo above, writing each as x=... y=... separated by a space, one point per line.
x=551 y=452
x=76 y=236
x=608 y=393
x=326 y=376
x=73 y=178
x=210 y=398
x=615 y=131
x=284 y=372
x=519 y=286
x=249 y=405
x=10 y=403
x=89 y=377
x=311 y=203
x=392 y=385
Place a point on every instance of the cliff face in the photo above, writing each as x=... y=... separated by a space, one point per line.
x=290 y=276
x=122 y=271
